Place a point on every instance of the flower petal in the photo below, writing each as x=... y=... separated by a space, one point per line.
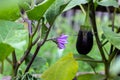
x=61 y=41
x=61 y=46
x=63 y=36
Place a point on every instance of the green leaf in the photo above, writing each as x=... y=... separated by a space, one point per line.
x=112 y=37
x=91 y=77
x=24 y=4
x=38 y=11
x=85 y=58
x=92 y=62
x=13 y=34
x=37 y=63
x=63 y=69
x=107 y=3
x=57 y=7
x=5 y=50
x=74 y=3
x=115 y=67
x=9 y=10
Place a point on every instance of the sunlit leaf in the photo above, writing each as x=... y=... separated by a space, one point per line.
x=115 y=67
x=5 y=50
x=9 y=10
x=37 y=12
x=74 y=3
x=57 y=7
x=63 y=69
x=113 y=3
x=13 y=34
x=112 y=37
x=91 y=77
x=24 y=4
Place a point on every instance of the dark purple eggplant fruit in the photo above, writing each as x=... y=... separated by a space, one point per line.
x=84 y=42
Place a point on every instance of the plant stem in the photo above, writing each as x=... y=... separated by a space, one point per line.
x=29 y=43
x=33 y=57
x=33 y=43
x=14 y=63
x=29 y=22
x=82 y=9
x=40 y=44
x=112 y=54
x=107 y=67
x=93 y=21
x=31 y=35
x=105 y=43
x=36 y=40
x=36 y=28
x=113 y=21
x=24 y=57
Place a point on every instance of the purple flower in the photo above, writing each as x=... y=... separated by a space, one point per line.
x=61 y=41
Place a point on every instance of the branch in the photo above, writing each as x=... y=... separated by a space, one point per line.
x=14 y=60
x=24 y=57
x=29 y=22
x=47 y=34
x=36 y=28
x=113 y=55
x=93 y=21
x=38 y=37
x=105 y=43
x=29 y=25
x=33 y=57
x=36 y=40
x=29 y=43
x=40 y=44
x=113 y=21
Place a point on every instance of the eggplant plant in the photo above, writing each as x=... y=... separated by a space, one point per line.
x=26 y=24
